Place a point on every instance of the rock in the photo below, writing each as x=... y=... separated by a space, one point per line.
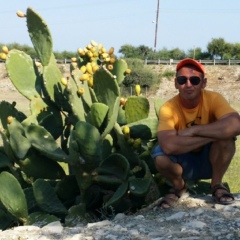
x=194 y=218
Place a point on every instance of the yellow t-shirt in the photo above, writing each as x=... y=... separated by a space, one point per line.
x=211 y=107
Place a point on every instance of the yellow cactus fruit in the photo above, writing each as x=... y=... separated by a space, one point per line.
x=105 y=55
x=74 y=65
x=130 y=141
x=21 y=14
x=3 y=56
x=38 y=64
x=94 y=63
x=84 y=77
x=137 y=89
x=89 y=68
x=9 y=119
x=128 y=71
x=81 y=91
x=92 y=59
x=123 y=101
x=89 y=46
x=111 y=51
x=137 y=143
x=64 y=81
x=90 y=81
x=104 y=50
x=100 y=46
x=73 y=59
x=110 y=67
x=126 y=130
x=93 y=49
x=95 y=54
x=107 y=59
x=90 y=54
x=81 y=52
x=83 y=69
x=94 y=44
x=5 y=49
x=95 y=68
x=112 y=60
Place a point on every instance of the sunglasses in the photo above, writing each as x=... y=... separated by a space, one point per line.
x=194 y=80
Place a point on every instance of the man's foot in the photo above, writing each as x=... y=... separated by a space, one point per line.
x=221 y=195
x=172 y=198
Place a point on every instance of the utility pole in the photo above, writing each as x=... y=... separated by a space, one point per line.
x=156 y=26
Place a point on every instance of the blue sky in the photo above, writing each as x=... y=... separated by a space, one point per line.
x=73 y=23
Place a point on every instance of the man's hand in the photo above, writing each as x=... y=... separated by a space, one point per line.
x=187 y=132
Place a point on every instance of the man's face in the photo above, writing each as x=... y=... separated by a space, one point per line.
x=186 y=82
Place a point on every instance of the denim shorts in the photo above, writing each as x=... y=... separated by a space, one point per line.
x=196 y=165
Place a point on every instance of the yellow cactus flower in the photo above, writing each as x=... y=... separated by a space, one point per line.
x=137 y=89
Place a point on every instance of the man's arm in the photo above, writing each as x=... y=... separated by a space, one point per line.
x=173 y=143
x=226 y=127
x=189 y=139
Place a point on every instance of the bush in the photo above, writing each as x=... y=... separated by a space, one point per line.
x=168 y=74
x=139 y=74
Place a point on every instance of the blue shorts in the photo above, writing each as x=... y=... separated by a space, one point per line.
x=196 y=165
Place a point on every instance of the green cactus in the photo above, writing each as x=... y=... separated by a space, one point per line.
x=40 y=36
x=82 y=130
x=12 y=197
x=136 y=108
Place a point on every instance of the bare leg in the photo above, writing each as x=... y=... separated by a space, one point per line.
x=221 y=155
x=172 y=171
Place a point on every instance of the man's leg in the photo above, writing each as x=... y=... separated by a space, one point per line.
x=173 y=172
x=221 y=154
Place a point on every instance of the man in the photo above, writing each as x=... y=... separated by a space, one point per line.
x=196 y=134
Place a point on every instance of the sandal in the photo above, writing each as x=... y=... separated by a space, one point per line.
x=172 y=198
x=217 y=197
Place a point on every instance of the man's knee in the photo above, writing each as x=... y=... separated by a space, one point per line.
x=224 y=145
x=162 y=162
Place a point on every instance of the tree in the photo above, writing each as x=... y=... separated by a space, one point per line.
x=128 y=51
x=217 y=48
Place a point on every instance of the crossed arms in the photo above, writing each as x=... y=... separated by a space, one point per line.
x=189 y=139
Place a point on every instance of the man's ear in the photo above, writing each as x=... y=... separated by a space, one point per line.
x=175 y=82
x=204 y=83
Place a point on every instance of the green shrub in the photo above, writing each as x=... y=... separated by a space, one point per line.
x=168 y=74
x=140 y=74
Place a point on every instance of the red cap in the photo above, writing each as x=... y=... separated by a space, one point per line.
x=190 y=61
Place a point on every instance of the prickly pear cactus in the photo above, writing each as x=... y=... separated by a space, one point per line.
x=75 y=130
